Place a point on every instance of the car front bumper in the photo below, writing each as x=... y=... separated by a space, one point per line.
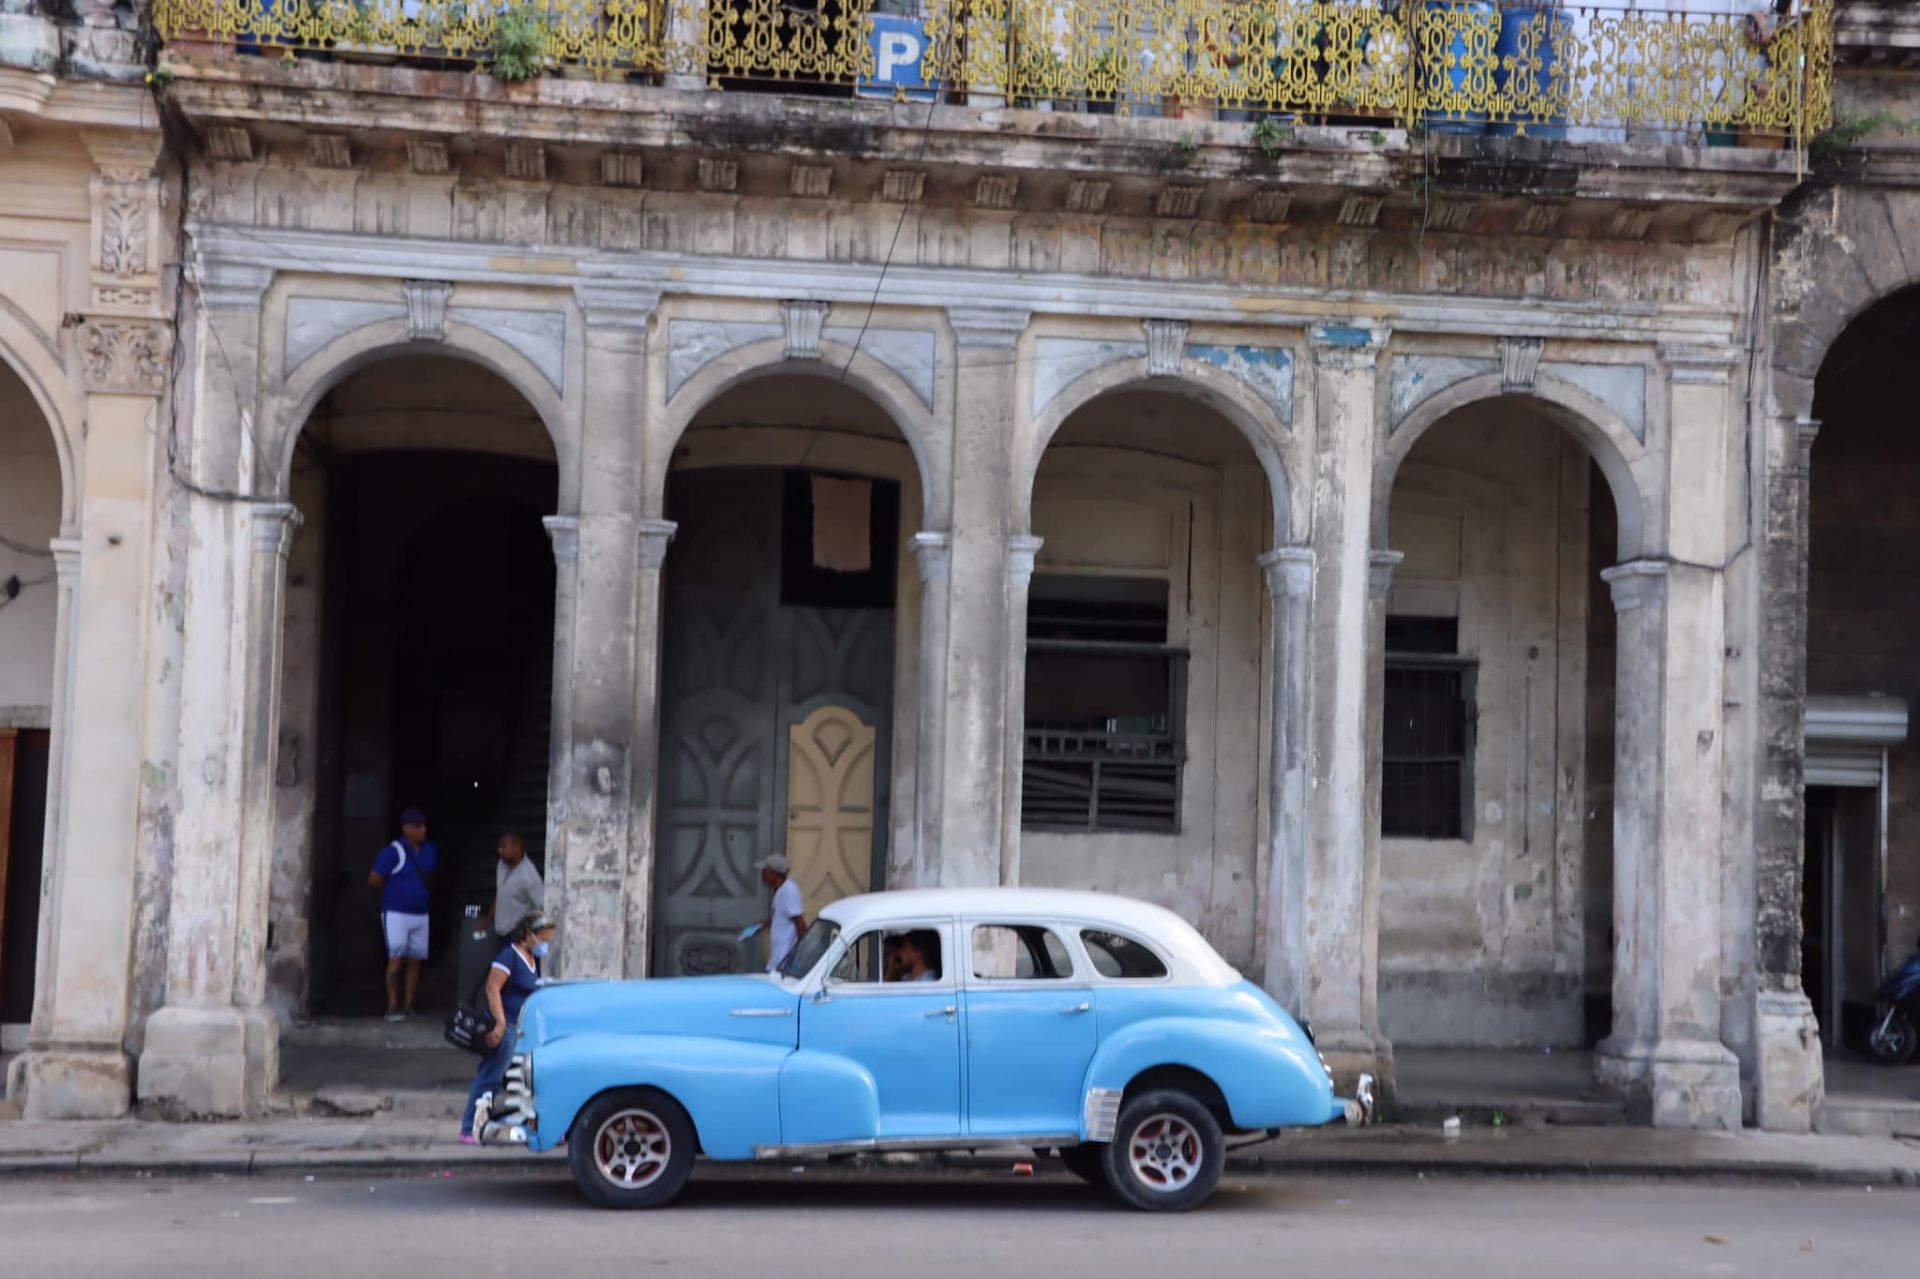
x=1358 y=1109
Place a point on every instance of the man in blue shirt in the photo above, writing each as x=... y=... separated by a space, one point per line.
x=400 y=873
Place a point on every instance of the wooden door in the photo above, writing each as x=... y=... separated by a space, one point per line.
x=830 y=805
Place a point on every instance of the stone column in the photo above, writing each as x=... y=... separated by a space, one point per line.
x=564 y=532
x=214 y=1048
x=1789 y=1072
x=976 y=658
x=1665 y=1048
x=933 y=557
x=654 y=536
x=1021 y=551
x=1341 y=877
x=1288 y=955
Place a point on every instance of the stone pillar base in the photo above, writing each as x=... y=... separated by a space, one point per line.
x=72 y=1083
x=210 y=1061
x=1674 y=1083
x=1352 y=1055
x=1790 y=1079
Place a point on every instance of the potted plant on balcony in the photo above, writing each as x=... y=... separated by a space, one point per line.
x=519 y=46
x=1105 y=75
x=358 y=36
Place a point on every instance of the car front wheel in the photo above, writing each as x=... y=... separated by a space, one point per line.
x=631 y=1149
x=1166 y=1154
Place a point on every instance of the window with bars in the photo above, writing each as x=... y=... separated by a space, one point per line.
x=1426 y=785
x=1106 y=703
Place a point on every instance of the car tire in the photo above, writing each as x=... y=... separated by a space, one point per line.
x=1087 y=1162
x=1894 y=1040
x=1166 y=1154
x=631 y=1149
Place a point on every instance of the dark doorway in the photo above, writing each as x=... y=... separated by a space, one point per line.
x=1841 y=912
x=436 y=688
x=776 y=699
x=23 y=828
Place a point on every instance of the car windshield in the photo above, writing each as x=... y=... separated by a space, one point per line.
x=813 y=944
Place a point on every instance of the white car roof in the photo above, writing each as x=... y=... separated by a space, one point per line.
x=1190 y=959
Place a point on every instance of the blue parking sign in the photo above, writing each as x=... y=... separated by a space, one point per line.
x=899 y=46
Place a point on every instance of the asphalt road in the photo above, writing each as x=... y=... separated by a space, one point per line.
x=919 y=1227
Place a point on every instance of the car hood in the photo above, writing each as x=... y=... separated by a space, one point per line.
x=733 y=1007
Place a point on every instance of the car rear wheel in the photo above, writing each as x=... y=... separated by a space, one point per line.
x=631 y=1149
x=1166 y=1154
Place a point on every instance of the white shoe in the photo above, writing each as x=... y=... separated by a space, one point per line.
x=480 y=1109
x=396 y=1015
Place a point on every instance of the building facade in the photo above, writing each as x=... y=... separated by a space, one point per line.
x=1120 y=453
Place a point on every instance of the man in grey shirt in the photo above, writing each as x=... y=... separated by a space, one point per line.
x=518 y=891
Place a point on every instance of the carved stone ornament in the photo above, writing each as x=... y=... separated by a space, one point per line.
x=803 y=323
x=123 y=232
x=1519 y=363
x=128 y=357
x=1166 y=342
x=426 y=309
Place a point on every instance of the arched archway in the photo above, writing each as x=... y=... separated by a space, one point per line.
x=1141 y=758
x=1860 y=873
x=1495 y=670
x=417 y=658
x=790 y=630
x=35 y=502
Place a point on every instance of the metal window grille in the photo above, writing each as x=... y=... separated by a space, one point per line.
x=1426 y=789
x=1087 y=773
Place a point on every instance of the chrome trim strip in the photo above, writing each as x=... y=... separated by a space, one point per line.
x=886 y=1145
x=761 y=1012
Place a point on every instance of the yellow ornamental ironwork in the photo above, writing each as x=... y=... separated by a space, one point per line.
x=1543 y=68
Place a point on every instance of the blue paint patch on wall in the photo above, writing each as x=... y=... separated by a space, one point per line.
x=1267 y=371
x=1343 y=335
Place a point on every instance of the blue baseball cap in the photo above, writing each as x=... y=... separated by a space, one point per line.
x=412 y=817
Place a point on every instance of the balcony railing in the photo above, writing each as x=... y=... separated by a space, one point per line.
x=1465 y=66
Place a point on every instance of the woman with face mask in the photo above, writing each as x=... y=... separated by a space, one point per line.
x=514 y=975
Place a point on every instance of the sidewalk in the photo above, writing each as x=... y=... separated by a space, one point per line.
x=398 y=1145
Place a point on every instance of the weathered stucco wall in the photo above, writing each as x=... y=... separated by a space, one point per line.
x=29 y=517
x=1477 y=940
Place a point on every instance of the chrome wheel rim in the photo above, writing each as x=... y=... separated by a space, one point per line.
x=1165 y=1153
x=1890 y=1037
x=632 y=1148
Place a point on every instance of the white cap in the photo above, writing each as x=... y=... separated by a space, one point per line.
x=777 y=863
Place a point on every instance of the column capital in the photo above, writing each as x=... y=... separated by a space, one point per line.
x=227 y=285
x=124 y=357
x=274 y=524
x=1805 y=431
x=66 y=559
x=1380 y=566
x=1021 y=550
x=1289 y=571
x=1636 y=584
x=1700 y=365
x=1346 y=346
x=564 y=532
x=654 y=536
x=988 y=326
x=617 y=306
x=934 y=552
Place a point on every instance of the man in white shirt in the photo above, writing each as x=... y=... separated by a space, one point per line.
x=785 y=924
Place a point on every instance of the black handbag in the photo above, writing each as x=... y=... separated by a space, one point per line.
x=469 y=1024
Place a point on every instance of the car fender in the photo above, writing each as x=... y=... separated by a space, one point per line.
x=729 y=1088
x=1266 y=1077
x=825 y=1097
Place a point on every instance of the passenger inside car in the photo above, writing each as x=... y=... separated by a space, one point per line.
x=919 y=956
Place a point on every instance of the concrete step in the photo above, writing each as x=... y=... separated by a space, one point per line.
x=1869 y=1117
x=348 y=1101
x=1529 y=1112
x=422 y=1031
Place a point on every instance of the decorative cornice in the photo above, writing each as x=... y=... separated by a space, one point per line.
x=1700 y=365
x=1022 y=548
x=127 y=357
x=933 y=554
x=617 y=306
x=804 y=320
x=224 y=284
x=1519 y=363
x=654 y=536
x=564 y=532
x=274 y=524
x=1166 y=343
x=1380 y=566
x=1636 y=584
x=1289 y=571
x=426 y=308
x=988 y=326
x=67 y=557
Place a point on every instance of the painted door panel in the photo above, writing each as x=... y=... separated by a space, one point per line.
x=830 y=759
x=1027 y=1056
x=907 y=1040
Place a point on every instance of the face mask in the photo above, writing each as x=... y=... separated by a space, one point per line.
x=540 y=950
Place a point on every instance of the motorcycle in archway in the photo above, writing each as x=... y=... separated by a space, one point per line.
x=1896 y=1031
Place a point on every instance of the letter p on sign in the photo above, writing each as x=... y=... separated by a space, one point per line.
x=898 y=44
x=897 y=49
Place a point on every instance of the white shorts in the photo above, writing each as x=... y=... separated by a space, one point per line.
x=406 y=935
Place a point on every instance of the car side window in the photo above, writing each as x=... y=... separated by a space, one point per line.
x=890 y=955
x=1121 y=958
x=1019 y=952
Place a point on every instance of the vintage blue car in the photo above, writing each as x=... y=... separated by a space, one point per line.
x=926 y=1020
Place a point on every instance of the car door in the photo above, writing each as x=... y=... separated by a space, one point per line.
x=1030 y=1030
x=905 y=1034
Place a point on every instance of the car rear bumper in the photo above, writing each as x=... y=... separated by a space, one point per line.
x=1359 y=1108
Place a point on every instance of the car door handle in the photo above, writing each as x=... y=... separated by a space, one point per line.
x=946 y=1012
x=1081 y=1007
